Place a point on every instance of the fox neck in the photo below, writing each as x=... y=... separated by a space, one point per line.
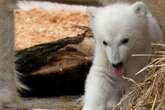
x=100 y=58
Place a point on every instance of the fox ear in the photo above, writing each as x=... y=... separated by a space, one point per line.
x=139 y=8
x=91 y=11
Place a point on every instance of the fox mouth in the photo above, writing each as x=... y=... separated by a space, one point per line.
x=118 y=69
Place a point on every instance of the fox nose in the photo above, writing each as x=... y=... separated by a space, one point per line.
x=120 y=64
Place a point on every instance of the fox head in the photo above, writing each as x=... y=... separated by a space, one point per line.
x=120 y=30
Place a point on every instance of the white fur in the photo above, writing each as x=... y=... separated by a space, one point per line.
x=113 y=23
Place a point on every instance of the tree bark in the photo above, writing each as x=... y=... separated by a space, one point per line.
x=31 y=58
x=55 y=68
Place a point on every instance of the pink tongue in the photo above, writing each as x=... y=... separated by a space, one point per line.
x=118 y=71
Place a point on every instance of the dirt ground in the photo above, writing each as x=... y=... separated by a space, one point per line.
x=54 y=103
x=60 y=103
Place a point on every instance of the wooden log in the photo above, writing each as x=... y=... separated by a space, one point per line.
x=56 y=68
x=40 y=55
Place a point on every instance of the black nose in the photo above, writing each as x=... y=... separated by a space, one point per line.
x=117 y=65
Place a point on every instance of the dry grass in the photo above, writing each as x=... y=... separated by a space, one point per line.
x=149 y=94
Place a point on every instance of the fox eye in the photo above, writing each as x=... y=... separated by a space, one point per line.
x=105 y=43
x=125 y=41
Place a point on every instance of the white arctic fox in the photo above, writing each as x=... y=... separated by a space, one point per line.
x=120 y=30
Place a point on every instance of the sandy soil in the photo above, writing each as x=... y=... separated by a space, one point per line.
x=37 y=26
x=54 y=103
